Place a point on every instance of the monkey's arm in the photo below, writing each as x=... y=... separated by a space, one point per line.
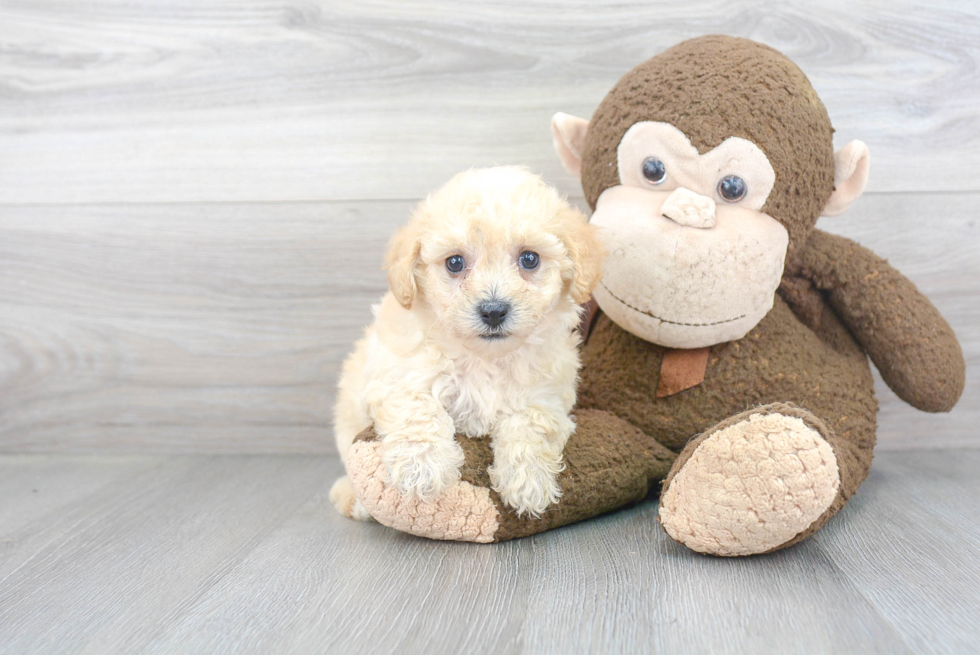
x=913 y=347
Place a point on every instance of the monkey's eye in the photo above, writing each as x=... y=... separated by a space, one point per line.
x=455 y=264
x=732 y=188
x=654 y=170
x=529 y=260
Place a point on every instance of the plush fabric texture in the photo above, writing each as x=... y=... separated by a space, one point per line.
x=687 y=169
x=608 y=464
x=685 y=286
x=787 y=477
x=681 y=370
x=716 y=87
x=910 y=343
x=791 y=404
x=780 y=360
x=462 y=513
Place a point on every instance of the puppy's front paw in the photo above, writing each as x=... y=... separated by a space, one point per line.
x=422 y=469
x=527 y=484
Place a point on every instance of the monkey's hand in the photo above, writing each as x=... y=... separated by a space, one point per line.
x=913 y=347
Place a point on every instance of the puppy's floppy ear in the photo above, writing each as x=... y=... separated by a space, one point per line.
x=585 y=255
x=401 y=261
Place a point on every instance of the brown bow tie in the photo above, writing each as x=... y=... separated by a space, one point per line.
x=681 y=369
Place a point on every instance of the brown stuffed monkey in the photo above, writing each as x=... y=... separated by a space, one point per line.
x=728 y=360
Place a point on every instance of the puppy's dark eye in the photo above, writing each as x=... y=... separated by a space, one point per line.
x=455 y=264
x=654 y=170
x=529 y=260
x=732 y=188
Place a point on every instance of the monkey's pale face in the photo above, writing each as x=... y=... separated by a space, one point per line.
x=693 y=261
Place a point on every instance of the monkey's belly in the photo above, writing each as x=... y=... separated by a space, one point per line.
x=780 y=360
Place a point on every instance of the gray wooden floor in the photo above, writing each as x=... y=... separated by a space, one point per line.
x=244 y=554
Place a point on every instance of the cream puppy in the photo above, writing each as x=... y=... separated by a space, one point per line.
x=476 y=336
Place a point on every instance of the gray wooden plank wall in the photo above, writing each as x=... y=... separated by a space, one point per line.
x=194 y=195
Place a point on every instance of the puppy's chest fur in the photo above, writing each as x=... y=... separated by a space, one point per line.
x=475 y=394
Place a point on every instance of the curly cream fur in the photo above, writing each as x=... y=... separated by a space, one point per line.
x=426 y=370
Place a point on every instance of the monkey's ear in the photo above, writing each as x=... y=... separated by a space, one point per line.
x=585 y=256
x=401 y=261
x=851 y=166
x=568 y=134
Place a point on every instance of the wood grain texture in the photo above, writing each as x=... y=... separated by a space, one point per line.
x=929 y=542
x=221 y=327
x=114 y=101
x=235 y=554
x=145 y=545
x=182 y=327
x=36 y=485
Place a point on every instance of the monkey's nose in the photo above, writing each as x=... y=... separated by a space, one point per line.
x=691 y=209
x=493 y=312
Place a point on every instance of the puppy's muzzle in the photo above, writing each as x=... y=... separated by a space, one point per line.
x=493 y=313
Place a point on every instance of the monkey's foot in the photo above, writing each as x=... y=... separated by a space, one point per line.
x=462 y=512
x=759 y=481
x=608 y=464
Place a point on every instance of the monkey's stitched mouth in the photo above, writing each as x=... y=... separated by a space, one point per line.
x=664 y=320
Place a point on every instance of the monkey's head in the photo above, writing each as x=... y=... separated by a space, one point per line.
x=706 y=167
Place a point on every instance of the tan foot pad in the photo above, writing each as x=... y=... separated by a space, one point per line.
x=751 y=487
x=463 y=513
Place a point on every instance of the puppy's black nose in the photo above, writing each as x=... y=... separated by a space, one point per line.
x=493 y=312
